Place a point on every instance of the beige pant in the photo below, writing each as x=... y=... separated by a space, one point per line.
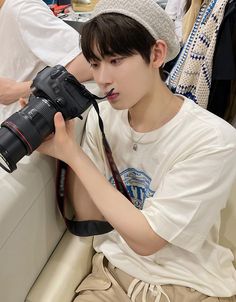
x=107 y=283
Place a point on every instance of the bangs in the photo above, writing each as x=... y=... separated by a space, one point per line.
x=115 y=34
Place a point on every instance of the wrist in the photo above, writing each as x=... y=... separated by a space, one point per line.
x=21 y=89
x=76 y=157
x=72 y=156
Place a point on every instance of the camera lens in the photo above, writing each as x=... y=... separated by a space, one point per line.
x=53 y=90
x=24 y=131
x=12 y=149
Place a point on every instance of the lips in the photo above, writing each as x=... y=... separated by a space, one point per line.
x=112 y=96
x=110 y=92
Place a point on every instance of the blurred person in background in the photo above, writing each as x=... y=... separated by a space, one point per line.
x=33 y=38
x=176 y=10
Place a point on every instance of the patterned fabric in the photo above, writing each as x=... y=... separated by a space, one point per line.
x=190 y=17
x=191 y=76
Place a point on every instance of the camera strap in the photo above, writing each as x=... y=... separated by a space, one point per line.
x=114 y=170
x=88 y=227
x=82 y=228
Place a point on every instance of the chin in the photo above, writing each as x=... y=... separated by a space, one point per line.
x=119 y=106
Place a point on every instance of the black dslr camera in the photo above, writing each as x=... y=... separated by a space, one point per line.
x=53 y=90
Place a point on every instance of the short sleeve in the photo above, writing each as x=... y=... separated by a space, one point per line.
x=49 y=38
x=190 y=197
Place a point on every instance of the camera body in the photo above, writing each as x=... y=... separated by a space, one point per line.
x=54 y=89
x=62 y=90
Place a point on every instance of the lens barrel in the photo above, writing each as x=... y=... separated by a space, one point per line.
x=24 y=131
x=12 y=149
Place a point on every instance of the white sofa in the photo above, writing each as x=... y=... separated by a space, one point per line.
x=30 y=226
x=39 y=260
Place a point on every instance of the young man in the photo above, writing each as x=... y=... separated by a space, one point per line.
x=176 y=159
x=33 y=38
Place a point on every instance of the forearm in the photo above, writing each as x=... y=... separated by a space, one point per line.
x=78 y=196
x=80 y=68
x=22 y=89
x=117 y=210
x=11 y=91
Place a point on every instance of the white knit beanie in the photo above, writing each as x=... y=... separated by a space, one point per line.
x=150 y=15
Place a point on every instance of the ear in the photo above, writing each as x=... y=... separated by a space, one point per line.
x=158 y=53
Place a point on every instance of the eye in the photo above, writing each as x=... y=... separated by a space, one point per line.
x=116 y=61
x=94 y=65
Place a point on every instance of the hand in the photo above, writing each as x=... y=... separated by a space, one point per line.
x=23 y=102
x=57 y=145
x=11 y=91
x=61 y=145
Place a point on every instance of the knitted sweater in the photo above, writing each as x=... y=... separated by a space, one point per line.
x=191 y=75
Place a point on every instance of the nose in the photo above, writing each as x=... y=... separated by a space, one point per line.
x=103 y=76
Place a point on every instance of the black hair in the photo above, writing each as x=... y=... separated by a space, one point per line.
x=115 y=34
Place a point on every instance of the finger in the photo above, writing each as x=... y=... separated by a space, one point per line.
x=23 y=102
x=50 y=136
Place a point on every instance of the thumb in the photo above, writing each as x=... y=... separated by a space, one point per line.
x=59 y=122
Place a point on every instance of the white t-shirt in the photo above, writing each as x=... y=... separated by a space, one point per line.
x=180 y=178
x=176 y=10
x=32 y=38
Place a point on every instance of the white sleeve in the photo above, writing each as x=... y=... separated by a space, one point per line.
x=172 y=8
x=189 y=199
x=48 y=37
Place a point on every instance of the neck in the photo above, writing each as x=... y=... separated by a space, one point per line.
x=158 y=108
x=1 y=3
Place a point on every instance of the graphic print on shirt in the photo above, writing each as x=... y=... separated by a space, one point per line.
x=137 y=184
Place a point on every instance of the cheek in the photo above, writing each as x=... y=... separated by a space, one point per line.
x=137 y=81
x=139 y=73
x=132 y=75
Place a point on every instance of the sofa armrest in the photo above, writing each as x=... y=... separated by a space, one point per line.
x=66 y=268
x=30 y=225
